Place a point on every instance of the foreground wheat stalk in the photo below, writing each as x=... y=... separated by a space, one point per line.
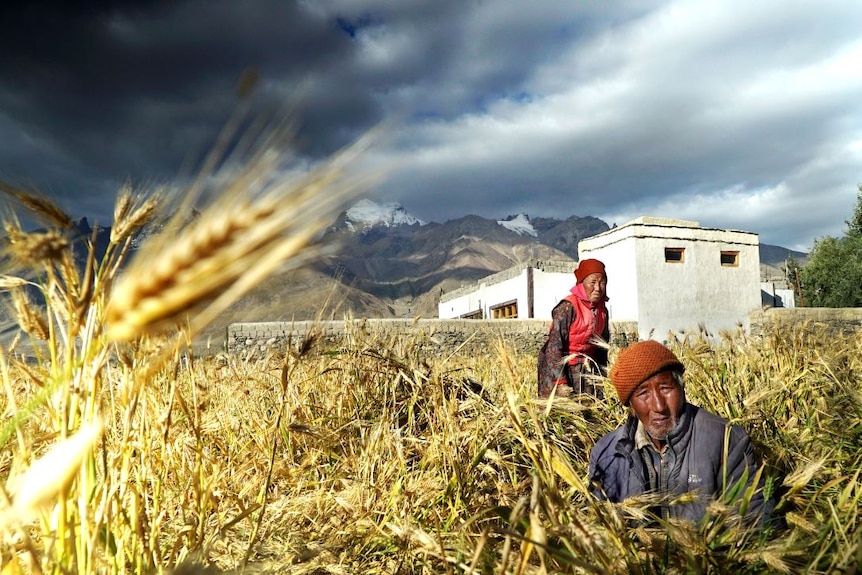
x=262 y=221
x=85 y=474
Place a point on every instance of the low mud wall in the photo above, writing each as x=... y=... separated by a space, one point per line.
x=435 y=336
x=442 y=337
x=833 y=320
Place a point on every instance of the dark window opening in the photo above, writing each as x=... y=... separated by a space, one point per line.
x=730 y=259
x=674 y=255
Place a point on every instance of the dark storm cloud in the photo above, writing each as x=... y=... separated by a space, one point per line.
x=733 y=114
x=106 y=91
x=692 y=110
x=138 y=89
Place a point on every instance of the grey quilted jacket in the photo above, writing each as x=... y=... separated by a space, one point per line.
x=617 y=470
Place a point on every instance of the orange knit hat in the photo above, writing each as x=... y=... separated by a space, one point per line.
x=587 y=267
x=639 y=362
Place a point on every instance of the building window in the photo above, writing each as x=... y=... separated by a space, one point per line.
x=674 y=255
x=473 y=315
x=730 y=259
x=508 y=310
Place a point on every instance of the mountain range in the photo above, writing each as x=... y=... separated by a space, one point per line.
x=384 y=262
x=389 y=263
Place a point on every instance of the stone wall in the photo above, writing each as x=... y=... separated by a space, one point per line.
x=443 y=337
x=436 y=336
x=832 y=319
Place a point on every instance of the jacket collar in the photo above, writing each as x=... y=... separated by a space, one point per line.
x=679 y=436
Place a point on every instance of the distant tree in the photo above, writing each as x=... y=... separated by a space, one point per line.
x=833 y=275
x=854 y=224
x=792 y=274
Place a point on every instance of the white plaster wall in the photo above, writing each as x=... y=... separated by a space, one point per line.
x=548 y=289
x=619 y=260
x=660 y=296
x=514 y=288
x=487 y=296
x=698 y=292
x=774 y=294
x=456 y=307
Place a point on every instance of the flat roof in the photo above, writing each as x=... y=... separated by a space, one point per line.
x=654 y=222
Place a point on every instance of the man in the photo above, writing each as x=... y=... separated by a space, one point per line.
x=669 y=446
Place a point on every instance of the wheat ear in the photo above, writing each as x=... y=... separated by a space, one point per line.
x=37 y=204
x=46 y=477
x=262 y=221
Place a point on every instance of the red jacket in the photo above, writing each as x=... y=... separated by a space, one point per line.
x=590 y=319
x=572 y=326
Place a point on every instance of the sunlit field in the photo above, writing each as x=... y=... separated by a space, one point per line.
x=122 y=453
x=366 y=459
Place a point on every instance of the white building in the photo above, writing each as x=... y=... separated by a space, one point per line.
x=776 y=294
x=672 y=275
x=664 y=276
x=530 y=290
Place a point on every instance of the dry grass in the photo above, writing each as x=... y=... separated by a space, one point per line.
x=364 y=456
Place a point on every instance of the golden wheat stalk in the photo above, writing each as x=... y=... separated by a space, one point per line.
x=35 y=248
x=8 y=282
x=38 y=487
x=29 y=316
x=132 y=211
x=262 y=221
x=39 y=205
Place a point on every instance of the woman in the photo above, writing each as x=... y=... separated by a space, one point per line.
x=577 y=322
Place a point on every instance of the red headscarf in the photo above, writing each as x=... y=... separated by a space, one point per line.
x=587 y=267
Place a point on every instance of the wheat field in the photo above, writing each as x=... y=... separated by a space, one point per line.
x=121 y=452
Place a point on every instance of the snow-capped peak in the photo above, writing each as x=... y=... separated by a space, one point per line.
x=519 y=224
x=365 y=214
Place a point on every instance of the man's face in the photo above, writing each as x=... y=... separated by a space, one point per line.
x=658 y=403
x=594 y=286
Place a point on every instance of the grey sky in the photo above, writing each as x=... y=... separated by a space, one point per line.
x=736 y=114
